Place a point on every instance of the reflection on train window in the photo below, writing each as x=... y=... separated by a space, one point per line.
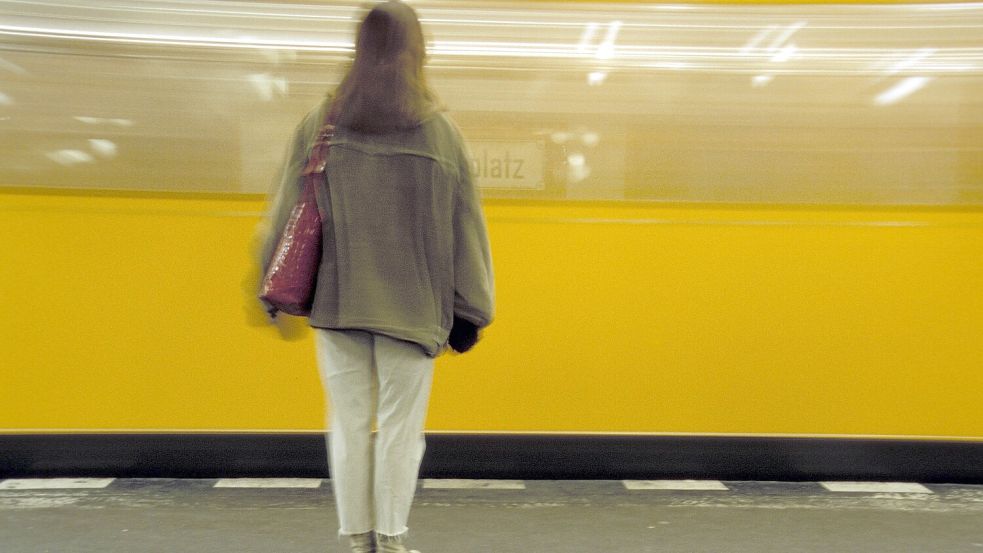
x=799 y=104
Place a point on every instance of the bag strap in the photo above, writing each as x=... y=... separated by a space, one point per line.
x=313 y=173
x=319 y=151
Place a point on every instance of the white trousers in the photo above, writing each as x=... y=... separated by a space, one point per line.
x=373 y=377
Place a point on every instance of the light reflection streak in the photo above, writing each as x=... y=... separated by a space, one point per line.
x=586 y=37
x=105 y=148
x=606 y=49
x=910 y=61
x=636 y=45
x=901 y=90
x=70 y=158
x=756 y=39
x=567 y=34
x=759 y=81
x=784 y=54
x=12 y=67
x=819 y=59
x=89 y=120
x=230 y=9
x=268 y=86
x=671 y=65
x=216 y=73
x=172 y=40
x=785 y=35
x=955 y=6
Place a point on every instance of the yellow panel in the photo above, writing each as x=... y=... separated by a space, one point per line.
x=128 y=313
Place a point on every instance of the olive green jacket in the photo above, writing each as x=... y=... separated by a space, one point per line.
x=405 y=246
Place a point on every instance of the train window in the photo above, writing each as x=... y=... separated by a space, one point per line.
x=793 y=104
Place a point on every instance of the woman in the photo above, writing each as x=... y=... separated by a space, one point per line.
x=405 y=269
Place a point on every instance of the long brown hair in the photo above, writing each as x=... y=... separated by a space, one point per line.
x=385 y=88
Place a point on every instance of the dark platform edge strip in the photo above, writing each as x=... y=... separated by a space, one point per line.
x=512 y=456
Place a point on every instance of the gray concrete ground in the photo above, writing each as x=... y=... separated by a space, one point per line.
x=196 y=516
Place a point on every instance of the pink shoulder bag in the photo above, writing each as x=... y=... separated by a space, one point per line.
x=289 y=283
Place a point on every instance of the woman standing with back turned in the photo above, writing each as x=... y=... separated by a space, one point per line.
x=405 y=271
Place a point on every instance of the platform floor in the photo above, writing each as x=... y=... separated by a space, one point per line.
x=297 y=516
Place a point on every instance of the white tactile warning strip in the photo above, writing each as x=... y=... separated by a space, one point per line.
x=268 y=483
x=55 y=483
x=457 y=484
x=875 y=487
x=674 y=485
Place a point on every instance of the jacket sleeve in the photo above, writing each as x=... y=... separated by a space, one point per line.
x=474 y=292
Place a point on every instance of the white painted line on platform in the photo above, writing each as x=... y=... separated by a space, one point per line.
x=875 y=487
x=674 y=485
x=55 y=483
x=457 y=484
x=38 y=501
x=269 y=483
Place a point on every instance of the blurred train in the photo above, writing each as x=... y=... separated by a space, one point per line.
x=730 y=240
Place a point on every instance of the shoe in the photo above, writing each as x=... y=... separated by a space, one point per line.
x=392 y=544
x=362 y=543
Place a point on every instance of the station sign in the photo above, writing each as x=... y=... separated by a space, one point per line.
x=508 y=164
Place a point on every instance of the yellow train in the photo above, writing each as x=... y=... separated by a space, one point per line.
x=729 y=239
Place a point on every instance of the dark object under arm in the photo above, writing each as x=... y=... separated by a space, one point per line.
x=464 y=335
